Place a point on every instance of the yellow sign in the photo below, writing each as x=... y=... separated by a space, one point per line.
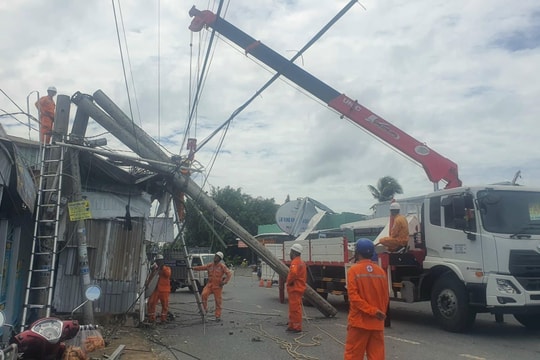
x=79 y=210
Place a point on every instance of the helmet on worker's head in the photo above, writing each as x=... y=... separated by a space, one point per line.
x=159 y=257
x=51 y=88
x=220 y=254
x=365 y=247
x=297 y=248
x=395 y=206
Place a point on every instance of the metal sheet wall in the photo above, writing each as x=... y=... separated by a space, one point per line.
x=115 y=255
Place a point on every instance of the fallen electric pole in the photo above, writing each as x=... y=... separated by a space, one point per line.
x=119 y=125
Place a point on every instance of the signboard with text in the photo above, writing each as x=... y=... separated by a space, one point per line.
x=79 y=210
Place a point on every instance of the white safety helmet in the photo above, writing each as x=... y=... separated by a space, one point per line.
x=395 y=206
x=220 y=254
x=51 y=88
x=159 y=257
x=297 y=248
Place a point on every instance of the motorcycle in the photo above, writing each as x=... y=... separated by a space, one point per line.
x=45 y=339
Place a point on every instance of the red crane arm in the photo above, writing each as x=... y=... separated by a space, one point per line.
x=436 y=166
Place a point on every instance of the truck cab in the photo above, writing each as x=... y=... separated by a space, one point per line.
x=481 y=253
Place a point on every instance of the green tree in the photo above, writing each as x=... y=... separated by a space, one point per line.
x=386 y=188
x=247 y=211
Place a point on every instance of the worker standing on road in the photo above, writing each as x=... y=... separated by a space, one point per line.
x=161 y=292
x=218 y=275
x=367 y=287
x=399 y=230
x=296 y=285
x=46 y=108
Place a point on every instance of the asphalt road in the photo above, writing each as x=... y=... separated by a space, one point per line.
x=254 y=322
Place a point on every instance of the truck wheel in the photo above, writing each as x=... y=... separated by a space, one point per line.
x=530 y=321
x=450 y=304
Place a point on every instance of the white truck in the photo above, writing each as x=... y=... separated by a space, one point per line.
x=471 y=250
x=478 y=251
x=177 y=261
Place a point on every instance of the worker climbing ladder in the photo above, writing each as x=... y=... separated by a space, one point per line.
x=41 y=273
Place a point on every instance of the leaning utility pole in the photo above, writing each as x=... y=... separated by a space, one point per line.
x=119 y=125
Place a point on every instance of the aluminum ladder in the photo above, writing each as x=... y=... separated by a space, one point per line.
x=191 y=276
x=42 y=267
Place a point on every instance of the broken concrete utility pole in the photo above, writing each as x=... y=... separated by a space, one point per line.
x=77 y=134
x=119 y=125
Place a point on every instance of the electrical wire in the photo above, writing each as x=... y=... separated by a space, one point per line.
x=225 y=126
x=201 y=78
x=130 y=67
x=159 y=70
x=123 y=67
x=278 y=74
x=12 y=115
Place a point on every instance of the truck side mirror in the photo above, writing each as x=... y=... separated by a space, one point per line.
x=461 y=224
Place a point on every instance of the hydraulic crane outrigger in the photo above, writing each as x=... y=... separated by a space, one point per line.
x=436 y=166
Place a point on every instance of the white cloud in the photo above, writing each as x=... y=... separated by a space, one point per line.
x=460 y=76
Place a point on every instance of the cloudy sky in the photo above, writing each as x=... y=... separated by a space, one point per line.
x=461 y=76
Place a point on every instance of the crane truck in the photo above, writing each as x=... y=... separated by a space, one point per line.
x=478 y=249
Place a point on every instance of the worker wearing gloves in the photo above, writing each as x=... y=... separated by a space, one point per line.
x=367 y=288
x=46 y=108
x=399 y=230
x=218 y=275
x=161 y=292
x=296 y=285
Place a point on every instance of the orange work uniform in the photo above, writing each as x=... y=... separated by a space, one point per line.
x=218 y=275
x=296 y=285
x=399 y=233
x=46 y=107
x=367 y=288
x=161 y=294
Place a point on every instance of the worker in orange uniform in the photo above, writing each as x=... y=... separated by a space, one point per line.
x=46 y=108
x=218 y=275
x=296 y=285
x=399 y=230
x=161 y=292
x=367 y=288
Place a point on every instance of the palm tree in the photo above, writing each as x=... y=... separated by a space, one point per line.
x=386 y=188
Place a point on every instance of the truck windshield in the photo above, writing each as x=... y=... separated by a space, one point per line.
x=510 y=212
x=207 y=258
